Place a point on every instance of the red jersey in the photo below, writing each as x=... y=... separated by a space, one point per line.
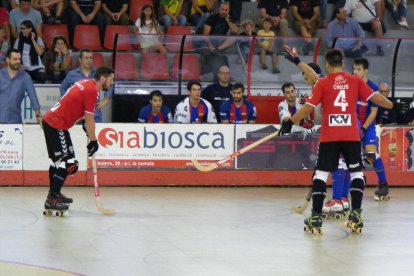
x=80 y=98
x=338 y=94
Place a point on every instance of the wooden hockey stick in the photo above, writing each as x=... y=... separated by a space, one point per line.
x=220 y=163
x=301 y=209
x=96 y=185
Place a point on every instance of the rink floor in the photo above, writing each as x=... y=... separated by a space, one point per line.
x=199 y=231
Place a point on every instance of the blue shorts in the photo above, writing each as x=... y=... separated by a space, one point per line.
x=370 y=137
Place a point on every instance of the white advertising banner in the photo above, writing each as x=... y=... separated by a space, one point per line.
x=162 y=145
x=11 y=147
x=47 y=95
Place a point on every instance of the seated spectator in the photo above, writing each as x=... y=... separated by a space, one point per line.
x=194 y=109
x=115 y=12
x=4 y=46
x=385 y=116
x=305 y=21
x=200 y=11
x=411 y=113
x=22 y=13
x=59 y=59
x=237 y=110
x=276 y=10
x=248 y=30
x=14 y=4
x=4 y=23
x=52 y=10
x=266 y=45
x=155 y=112
x=399 y=11
x=149 y=28
x=219 y=91
x=344 y=26
x=367 y=14
x=172 y=13
x=412 y=103
x=86 y=12
x=31 y=49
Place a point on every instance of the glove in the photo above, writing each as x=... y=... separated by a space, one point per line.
x=362 y=132
x=286 y=127
x=308 y=124
x=83 y=127
x=290 y=54
x=302 y=100
x=92 y=147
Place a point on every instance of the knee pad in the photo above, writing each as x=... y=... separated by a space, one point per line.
x=70 y=165
x=369 y=158
x=357 y=181
x=321 y=175
x=319 y=182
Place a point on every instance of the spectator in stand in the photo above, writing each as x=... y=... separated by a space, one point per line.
x=194 y=109
x=323 y=7
x=172 y=13
x=411 y=113
x=385 y=116
x=4 y=23
x=22 y=13
x=235 y=10
x=14 y=84
x=276 y=10
x=147 y=25
x=86 y=71
x=115 y=12
x=49 y=7
x=238 y=110
x=155 y=111
x=219 y=91
x=399 y=11
x=412 y=103
x=305 y=21
x=59 y=59
x=248 y=30
x=86 y=12
x=200 y=11
x=368 y=14
x=4 y=46
x=344 y=26
x=31 y=48
x=266 y=43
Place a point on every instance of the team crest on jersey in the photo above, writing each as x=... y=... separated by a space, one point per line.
x=340 y=120
x=340 y=80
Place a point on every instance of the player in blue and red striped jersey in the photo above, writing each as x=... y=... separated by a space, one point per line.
x=155 y=112
x=237 y=110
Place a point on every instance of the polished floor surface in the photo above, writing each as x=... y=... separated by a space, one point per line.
x=199 y=231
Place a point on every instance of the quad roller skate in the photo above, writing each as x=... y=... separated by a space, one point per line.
x=65 y=199
x=354 y=222
x=333 y=208
x=313 y=224
x=346 y=205
x=55 y=207
x=381 y=193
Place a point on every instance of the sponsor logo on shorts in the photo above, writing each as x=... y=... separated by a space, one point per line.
x=340 y=120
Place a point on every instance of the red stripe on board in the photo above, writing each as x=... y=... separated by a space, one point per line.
x=11 y=178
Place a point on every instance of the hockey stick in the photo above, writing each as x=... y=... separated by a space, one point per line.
x=95 y=183
x=220 y=163
x=301 y=209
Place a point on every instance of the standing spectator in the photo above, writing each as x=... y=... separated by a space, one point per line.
x=219 y=91
x=86 y=12
x=115 y=12
x=276 y=10
x=4 y=23
x=237 y=110
x=200 y=11
x=59 y=59
x=14 y=84
x=86 y=71
x=22 y=13
x=367 y=14
x=305 y=20
x=266 y=45
x=344 y=26
x=399 y=11
x=155 y=111
x=194 y=109
x=172 y=13
x=385 y=116
x=4 y=46
x=48 y=8
x=31 y=48
x=147 y=25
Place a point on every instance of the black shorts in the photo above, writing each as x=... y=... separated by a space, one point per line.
x=329 y=153
x=58 y=142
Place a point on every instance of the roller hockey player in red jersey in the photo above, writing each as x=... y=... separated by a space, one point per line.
x=78 y=102
x=338 y=94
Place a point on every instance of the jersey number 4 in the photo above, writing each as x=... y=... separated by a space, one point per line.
x=341 y=100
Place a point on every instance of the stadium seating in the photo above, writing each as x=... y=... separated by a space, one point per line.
x=51 y=31
x=155 y=67
x=125 y=66
x=136 y=7
x=124 y=44
x=98 y=60
x=173 y=38
x=190 y=67
x=87 y=36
